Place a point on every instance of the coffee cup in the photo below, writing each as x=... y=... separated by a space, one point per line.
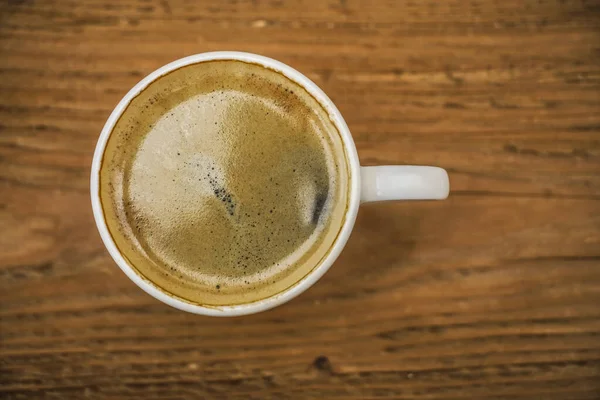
x=363 y=184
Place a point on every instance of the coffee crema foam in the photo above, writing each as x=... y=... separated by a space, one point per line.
x=224 y=182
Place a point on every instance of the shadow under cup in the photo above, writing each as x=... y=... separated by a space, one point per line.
x=190 y=205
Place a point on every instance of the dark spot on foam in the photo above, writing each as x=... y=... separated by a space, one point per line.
x=320 y=200
x=222 y=194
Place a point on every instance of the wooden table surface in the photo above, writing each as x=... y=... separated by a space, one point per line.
x=492 y=294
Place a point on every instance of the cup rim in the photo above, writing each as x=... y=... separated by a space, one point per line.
x=311 y=277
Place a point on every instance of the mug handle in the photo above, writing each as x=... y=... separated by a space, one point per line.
x=403 y=182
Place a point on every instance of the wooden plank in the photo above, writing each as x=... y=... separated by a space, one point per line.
x=491 y=294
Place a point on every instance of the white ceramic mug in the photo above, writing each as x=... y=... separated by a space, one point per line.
x=366 y=184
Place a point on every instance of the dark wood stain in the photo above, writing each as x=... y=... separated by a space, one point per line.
x=492 y=294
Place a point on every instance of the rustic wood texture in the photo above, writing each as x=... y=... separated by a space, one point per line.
x=492 y=294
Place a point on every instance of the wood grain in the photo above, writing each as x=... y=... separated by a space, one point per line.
x=492 y=294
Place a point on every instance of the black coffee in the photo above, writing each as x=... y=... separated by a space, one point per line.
x=224 y=182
